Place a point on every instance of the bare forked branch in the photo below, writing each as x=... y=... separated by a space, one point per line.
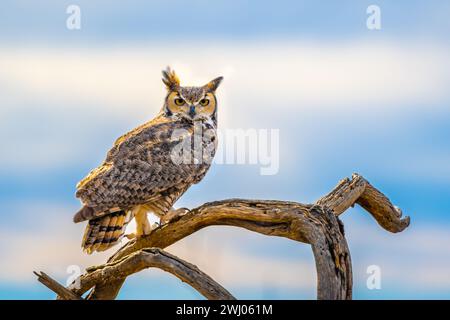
x=359 y=191
x=53 y=285
x=316 y=224
x=133 y=263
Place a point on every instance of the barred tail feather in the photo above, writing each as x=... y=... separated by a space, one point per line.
x=85 y=213
x=106 y=231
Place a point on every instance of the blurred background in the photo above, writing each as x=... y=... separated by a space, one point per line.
x=344 y=98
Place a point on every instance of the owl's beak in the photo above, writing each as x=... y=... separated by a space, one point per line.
x=192 y=111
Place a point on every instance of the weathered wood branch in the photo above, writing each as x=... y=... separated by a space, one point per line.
x=316 y=224
x=359 y=191
x=53 y=285
x=156 y=258
x=133 y=263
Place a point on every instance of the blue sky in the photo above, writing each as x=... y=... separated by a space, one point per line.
x=111 y=22
x=345 y=99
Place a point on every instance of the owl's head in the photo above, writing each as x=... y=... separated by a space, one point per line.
x=191 y=103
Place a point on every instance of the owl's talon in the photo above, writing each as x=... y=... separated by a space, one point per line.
x=173 y=215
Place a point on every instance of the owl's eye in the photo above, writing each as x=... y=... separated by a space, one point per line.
x=204 y=102
x=179 y=101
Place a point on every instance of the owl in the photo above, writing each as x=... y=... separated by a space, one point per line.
x=151 y=166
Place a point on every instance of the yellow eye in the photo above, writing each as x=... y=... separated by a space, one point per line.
x=179 y=101
x=204 y=102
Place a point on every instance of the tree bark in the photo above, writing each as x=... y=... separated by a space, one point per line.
x=315 y=224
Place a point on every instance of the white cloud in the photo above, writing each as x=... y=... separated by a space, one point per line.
x=309 y=74
x=66 y=98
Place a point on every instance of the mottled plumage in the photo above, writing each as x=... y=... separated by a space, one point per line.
x=148 y=168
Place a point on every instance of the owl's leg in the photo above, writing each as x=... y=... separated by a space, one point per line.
x=173 y=214
x=143 y=226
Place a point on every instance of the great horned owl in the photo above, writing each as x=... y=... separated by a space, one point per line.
x=148 y=168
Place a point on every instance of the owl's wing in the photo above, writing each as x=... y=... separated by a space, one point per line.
x=139 y=168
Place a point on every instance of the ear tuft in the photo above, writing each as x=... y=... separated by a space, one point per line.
x=170 y=79
x=213 y=84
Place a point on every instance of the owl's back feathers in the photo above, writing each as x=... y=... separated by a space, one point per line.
x=139 y=169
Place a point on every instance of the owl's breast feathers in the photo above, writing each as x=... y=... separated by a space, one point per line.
x=139 y=169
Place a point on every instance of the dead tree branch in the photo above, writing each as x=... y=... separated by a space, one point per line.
x=316 y=224
x=359 y=191
x=133 y=263
x=53 y=285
